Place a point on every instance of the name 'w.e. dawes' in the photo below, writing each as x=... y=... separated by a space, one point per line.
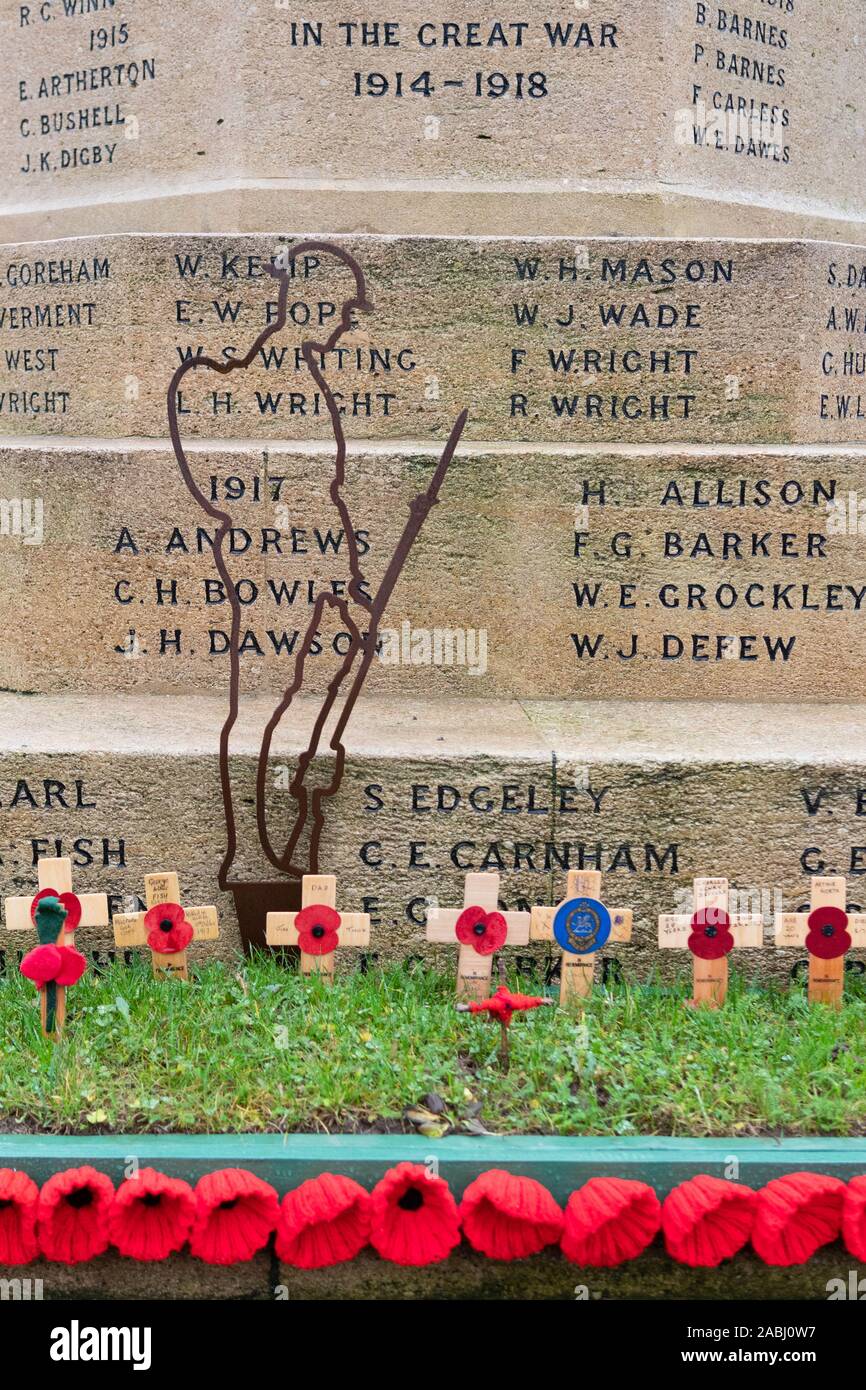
x=77 y=1343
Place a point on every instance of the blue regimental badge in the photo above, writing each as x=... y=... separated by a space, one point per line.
x=581 y=926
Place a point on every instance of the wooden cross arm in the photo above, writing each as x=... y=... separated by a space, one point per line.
x=354 y=930
x=675 y=928
x=204 y=922
x=129 y=929
x=94 y=911
x=442 y=922
x=792 y=928
x=621 y=920
x=541 y=923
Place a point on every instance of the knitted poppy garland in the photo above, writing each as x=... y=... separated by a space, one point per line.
x=411 y=1218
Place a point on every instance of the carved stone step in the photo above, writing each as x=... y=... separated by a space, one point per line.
x=609 y=340
x=652 y=793
x=545 y=571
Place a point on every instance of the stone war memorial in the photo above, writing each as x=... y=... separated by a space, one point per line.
x=432 y=521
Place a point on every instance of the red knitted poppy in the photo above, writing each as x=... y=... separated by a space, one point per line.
x=41 y=965
x=152 y=1215
x=609 y=1221
x=323 y=1222
x=72 y=966
x=853 y=1218
x=235 y=1214
x=18 y=1198
x=507 y=1217
x=72 y=1215
x=413 y=1216
x=796 y=1215
x=706 y=1220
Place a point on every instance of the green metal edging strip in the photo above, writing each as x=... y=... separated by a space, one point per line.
x=562 y=1164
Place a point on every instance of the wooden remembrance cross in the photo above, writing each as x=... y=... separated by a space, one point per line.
x=582 y=925
x=710 y=934
x=143 y=928
x=481 y=930
x=827 y=931
x=318 y=929
x=55 y=876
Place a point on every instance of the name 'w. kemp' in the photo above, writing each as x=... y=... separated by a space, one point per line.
x=77 y=1343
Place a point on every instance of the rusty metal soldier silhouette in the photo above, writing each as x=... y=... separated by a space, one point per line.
x=359 y=609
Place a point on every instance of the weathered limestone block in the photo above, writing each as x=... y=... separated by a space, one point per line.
x=652 y=793
x=675 y=116
x=562 y=341
x=544 y=572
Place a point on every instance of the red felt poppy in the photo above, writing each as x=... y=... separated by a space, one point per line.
x=235 y=1214
x=828 y=936
x=18 y=1197
x=484 y=931
x=41 y=965
x=72 y=966
x=414 y=1217
x=167 y=929
x=323 y=1222
x=711 y=934
x=72 y=1215
x=152 y=1215
x=68 y=900
x=318 y=928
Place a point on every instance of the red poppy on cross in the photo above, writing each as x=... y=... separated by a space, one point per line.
x=827 y=931
x=480 y=929
x=318 y=929
x=166 y=927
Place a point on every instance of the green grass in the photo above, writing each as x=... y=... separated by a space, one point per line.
x=257 y=1048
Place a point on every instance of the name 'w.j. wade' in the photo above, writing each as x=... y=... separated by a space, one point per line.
x=77 y=1343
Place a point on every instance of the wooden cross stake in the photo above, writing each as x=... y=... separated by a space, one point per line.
x=827 y=931
x=481 y=929
x=319 y=929
x=172 y=924
x=710 y=933
x=581 y=925
x=55 y=876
